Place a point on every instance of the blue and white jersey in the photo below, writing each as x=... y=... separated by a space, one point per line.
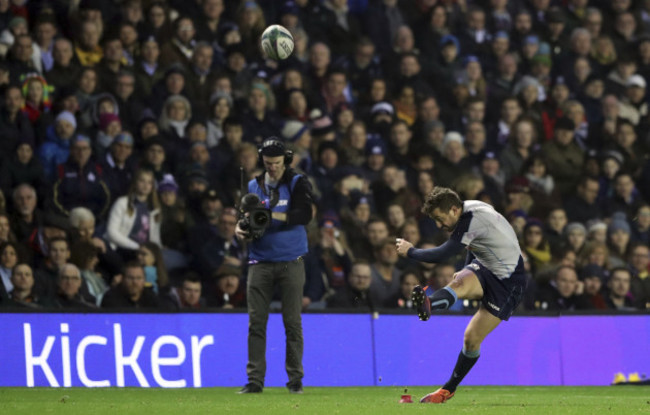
x=489 y=237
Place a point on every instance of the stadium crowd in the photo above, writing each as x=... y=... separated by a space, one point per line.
x=126 y=126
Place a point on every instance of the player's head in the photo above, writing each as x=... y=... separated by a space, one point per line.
x=444 y=206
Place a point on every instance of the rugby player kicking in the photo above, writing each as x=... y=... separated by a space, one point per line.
x=493 y=273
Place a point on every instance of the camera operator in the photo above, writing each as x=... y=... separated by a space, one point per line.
x=275 y=259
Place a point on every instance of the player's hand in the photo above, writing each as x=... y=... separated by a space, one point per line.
x=403 y=246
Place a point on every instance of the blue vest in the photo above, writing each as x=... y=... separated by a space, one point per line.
x=280 y=242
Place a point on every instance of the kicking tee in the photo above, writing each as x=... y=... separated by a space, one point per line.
x=489 y=238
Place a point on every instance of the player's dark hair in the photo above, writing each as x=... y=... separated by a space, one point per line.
x=441 y=198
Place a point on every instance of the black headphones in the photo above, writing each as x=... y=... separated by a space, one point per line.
x=272 y=144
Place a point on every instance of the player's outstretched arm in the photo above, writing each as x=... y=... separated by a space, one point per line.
x=438 y=254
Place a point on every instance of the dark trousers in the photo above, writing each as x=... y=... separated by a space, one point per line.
x=262 y=278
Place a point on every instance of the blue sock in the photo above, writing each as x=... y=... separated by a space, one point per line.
x=441 y=299
x=464 y=364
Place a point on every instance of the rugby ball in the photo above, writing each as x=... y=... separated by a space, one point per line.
x=277 y=42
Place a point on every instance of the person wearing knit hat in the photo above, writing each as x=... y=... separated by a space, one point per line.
x=597 y=231
x=37 y=94
x=618 y=225
x=56 y=148
x=382 y=108
x=452 y=136
x=109 y=127
x=575 y=234
x=118 y=165
x=298 y=134
x=168 y=184
x=321 y=124
x=67 y=117
x=293 y=130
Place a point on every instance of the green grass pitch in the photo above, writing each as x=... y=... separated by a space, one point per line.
x=497 y=400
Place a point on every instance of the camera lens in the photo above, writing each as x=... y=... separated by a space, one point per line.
x=261 y=218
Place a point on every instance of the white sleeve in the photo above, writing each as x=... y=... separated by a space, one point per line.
x=115 y=219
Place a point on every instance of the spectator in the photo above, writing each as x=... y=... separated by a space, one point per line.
x=219 y=110
x=87 y=51
x=619 y=297
x=408 y=280
x=148 y=71
x=618 y=239
x=158 y=21
x=583 y=206
x=85 y=256
x=6 y=234
x=22 y=295
x=80 y=182
x=356 y=294
x=112 y=62
x=556 y=221
x=68 y=294
x=129 y=104
x=593 y=277
x=597 y=231
x=27 y=217
x=21 y=167
x=639 y=264
x=46 y=31
x=564 y=157
x=117 y=165
x=334 y=258
x=564 y=292
x=625 y=198
x=181 y=47
x=522 y=144
x=150 y=258
x=575 y=234
x=37 y=99
x=65 y=71
x=8 y=260
x=56 y=149
x=499 y=132
x=228 y=292
x=536 y=246
x=595 y=253
x=135 y=218
x=186 y=297
x=442 y=275
x=14 y=124
x=173 y=227
x=385 y=274
x=199 y=76
x=131 y=292
x=58 y=254
x=641 y=225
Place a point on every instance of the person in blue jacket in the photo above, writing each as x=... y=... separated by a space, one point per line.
x=276 y=260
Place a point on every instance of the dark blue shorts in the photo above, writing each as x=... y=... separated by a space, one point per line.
x=501 y=296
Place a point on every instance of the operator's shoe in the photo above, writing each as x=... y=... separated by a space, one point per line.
x=295 y=388
x=634 y=377
x=619 y=378
x=439 y=396
x=421 y=302
x=250 y=388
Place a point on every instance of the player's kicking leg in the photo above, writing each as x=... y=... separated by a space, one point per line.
x=465 y=285
x=478 y=328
